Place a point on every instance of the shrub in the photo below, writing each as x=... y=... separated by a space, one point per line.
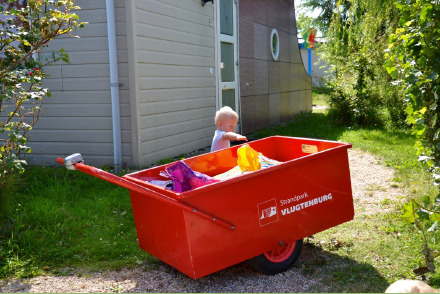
x=26 y=28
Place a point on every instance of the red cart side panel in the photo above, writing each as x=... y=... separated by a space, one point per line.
x=281 y=206
x=161 y=231
x=308 y=193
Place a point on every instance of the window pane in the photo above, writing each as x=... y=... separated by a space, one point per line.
x=226 y=20
x=227 y=59
x=228 y=98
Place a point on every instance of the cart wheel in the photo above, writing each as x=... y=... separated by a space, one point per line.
x=277 y=260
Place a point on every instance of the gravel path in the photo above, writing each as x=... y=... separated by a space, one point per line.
x=372 y=191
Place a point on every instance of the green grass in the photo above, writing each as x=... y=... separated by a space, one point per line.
x=320 y=99
x=62 y=219
x=379 y=249
x=59 y=220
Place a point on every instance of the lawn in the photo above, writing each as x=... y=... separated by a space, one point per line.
x=60 y=220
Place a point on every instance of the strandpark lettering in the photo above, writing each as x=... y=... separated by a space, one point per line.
x=294 y=199
x=306 y=204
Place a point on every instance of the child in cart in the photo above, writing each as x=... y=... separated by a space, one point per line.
x=225 y=119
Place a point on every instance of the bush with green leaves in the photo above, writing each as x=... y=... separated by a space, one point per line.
x=361 y=87
x=414 y=64
x=26 y=28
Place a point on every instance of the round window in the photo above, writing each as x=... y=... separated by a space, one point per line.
x=275 y=44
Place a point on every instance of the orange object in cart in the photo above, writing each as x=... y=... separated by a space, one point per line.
x=261 y=214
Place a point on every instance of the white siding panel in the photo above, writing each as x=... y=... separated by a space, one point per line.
x=176 y=77
x=91 y=83
x=167 y=46
x=99 y=29
x=53 y=84
x=162 y=70
x=166 y=142
x=157 y=120
x=78 y=123
x=175 y=82
x=90 y=151
x=177 y=9
x=178 y=105
x=163 y=148
x=86 y=44
x=92 y=17
x=183 y=148
x=190 y=37
x=84 y=97
x=75 y=136
x=87 y=57
x=170 y=130
x=93 y=70
x=77 y=118
x=174 y=59
x=94 y=4
x=76 y=110
x=164 y=21
x=154 y=95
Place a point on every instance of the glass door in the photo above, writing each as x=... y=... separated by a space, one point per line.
x=227 y=55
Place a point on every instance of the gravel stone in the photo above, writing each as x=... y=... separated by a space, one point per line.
x=373 y=192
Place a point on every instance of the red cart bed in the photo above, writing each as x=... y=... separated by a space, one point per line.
x=262 y=215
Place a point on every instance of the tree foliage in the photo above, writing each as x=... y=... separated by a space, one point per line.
x=414 y=63
x=387 y=53
x=326 y=8
x=357 y=37
x=361 y=88
x=26 y=27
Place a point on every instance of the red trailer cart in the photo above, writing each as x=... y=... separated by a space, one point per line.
x=261 y=216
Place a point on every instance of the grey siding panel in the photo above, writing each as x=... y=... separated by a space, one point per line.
x=157 y=57
x=81 y=97
x=154 y=95
x=77 y=118
x=176 y=90
x=176 y=106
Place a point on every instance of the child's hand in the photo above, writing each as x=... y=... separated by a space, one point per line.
x=241 y=138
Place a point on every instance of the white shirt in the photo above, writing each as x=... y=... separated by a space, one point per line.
x=218 y=142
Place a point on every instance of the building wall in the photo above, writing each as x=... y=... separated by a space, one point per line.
x=166 y=55
x=319 y=68
x=271 y=91
x=77 y=118
x=173 y=52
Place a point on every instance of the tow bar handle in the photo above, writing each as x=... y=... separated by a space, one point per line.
x=75 y=162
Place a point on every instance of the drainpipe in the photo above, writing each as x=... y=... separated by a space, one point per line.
x=114 y=85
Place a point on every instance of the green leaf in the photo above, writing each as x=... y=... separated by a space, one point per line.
x=433 y=76
x=426 y=199
x=423 y=214
x=434 y=227
x=424 y=12
x=418 y=224
x=408 y=212
x=430 y=265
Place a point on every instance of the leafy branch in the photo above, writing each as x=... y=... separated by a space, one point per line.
x=26 y=29
x=425 y=216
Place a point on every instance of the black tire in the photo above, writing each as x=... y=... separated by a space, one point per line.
x=268 y=266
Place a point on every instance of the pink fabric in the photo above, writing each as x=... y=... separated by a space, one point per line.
x=184 y=178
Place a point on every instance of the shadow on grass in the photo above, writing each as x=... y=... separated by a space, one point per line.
x=339 y=273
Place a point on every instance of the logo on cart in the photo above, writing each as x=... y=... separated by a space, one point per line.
x=267 y=212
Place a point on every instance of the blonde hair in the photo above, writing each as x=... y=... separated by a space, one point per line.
x=225 y=112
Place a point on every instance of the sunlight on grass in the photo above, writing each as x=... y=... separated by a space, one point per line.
x=69 y=219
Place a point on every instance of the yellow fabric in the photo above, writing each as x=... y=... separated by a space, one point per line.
x=248 y=158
